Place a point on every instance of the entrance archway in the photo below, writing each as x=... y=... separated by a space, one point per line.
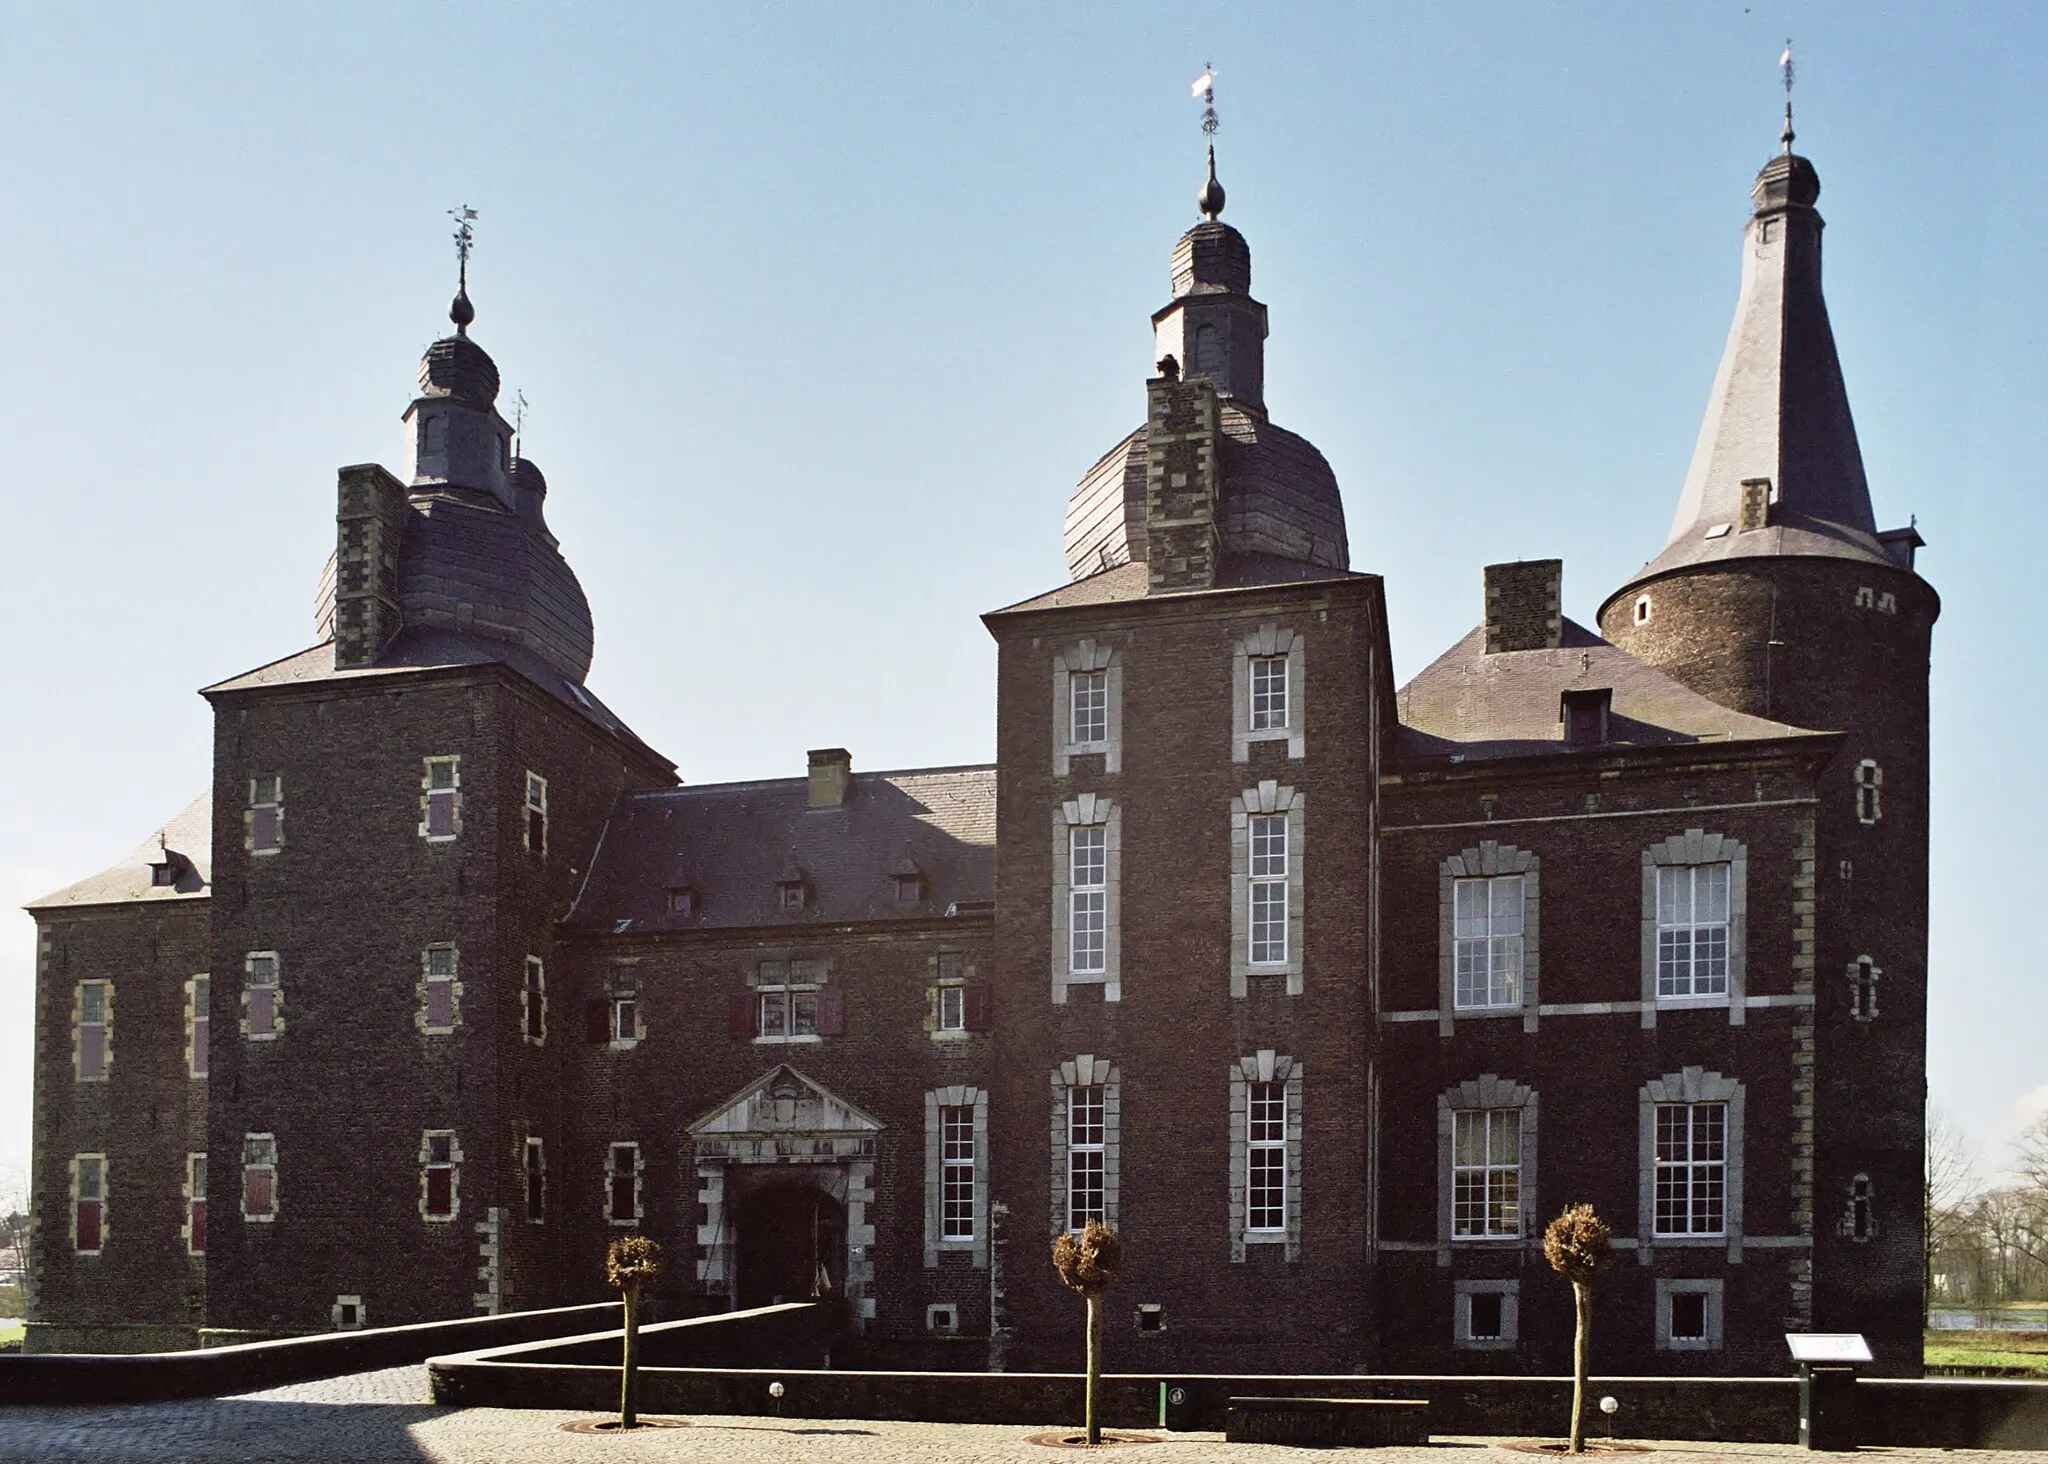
x=792 y=1245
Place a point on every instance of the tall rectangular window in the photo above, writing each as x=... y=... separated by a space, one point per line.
x=533 y=1003
x=536 y=813
x=260 y=995
x=1486 y=1173
x=1487 y=915
x=195 y=1204
x=1090 y=693
x=536 y=1161
x=438 y=988
x=443 y=798
x=1692 y=930
x=1085 y=1155
x=259 y=1177
x=1269 y=890
x=956 y=1171
x=1692 y=1168
x=622 y=1184
x=266 y=814
x=94 y=997
x=89 y=1207
x=438 y=1158
x=1265 y=1171
x=1088 y=893
x=201 y=1031
x=1268 y=692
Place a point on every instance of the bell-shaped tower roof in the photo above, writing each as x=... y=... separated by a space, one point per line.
x=1777 y=469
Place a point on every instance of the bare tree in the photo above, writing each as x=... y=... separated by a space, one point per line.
x=1948 y=1202
x=2030 y=1223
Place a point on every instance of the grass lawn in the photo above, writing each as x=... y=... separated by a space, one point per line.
x=1988 y=1349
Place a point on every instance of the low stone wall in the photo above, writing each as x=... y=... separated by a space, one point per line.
x=1953 y=1413
x=211 y=1372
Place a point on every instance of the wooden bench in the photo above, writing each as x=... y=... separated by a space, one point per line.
x=1327 y=1422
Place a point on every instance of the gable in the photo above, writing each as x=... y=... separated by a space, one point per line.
x=784 y=1101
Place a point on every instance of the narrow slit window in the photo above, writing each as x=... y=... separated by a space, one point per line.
x=195 y=1204
x=266 y=814
x=260 y=995
x=622 y=1184
x=536 y=1182
x=438 y=1158
x=1869 y=783
x=94 y=998
x=439 y=1013
x=259 y=1177
x=202 y=1025
x=89 y=1209
x=533 y=999
x=536 y=813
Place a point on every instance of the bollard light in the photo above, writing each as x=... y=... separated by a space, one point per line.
x=775 y=1390
x=1610 y=1405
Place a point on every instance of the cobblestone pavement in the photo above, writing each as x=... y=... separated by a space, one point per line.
x=384 y=1418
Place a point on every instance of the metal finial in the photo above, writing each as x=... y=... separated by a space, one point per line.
x=1785 y=65
x=459 y=309
x=1210 y=199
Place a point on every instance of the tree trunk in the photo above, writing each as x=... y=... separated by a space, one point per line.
x=1094 y=1365
x=1582 y=1295
x=629 y=1370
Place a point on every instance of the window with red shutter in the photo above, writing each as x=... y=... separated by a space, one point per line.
x=740 y=1013
x=832 y=1012
x=89 y=1209
x=979 y=1009
x=92 y=1030
x=195 y=1204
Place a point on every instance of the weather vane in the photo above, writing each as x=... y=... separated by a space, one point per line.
x=518 y=420
x=461 y=311
x=1210 y=199
x=1785 y=65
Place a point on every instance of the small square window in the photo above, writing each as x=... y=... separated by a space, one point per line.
x=1151 y=1319
x=348 y=1313
x=942 y=1317
x=909 y=889
x=1485 y=1317
x=1688 y=1316
x=682 y=901
x=794 y=895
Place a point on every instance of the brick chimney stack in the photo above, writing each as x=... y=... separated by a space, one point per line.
x=369 y=521
x=831 y=771
x=1182 y=479
x=1524 y=605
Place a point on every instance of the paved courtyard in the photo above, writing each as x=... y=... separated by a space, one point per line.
x=384 y=1418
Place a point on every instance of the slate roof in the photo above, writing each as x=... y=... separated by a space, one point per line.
x=732 y=842
x=1278 y=499
x=189 y=835
x=430 y=649
x=1128 y=582
x=1469 y=706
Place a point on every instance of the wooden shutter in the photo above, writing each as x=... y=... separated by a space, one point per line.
x=597 y=1021
x=979 y=1014
x=831 y=1012
x=740 y=1013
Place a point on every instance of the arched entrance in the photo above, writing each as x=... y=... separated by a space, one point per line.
x=791 y=1244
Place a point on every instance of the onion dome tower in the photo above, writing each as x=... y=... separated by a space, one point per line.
x=1777 y=595
x=1277 y=513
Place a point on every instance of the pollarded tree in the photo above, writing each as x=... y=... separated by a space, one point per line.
x=1088 y=1262
x=630 y=1263
x=1579 y=1246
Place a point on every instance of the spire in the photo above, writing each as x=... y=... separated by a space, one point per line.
x=459 y=309
x=1777 y=469
x=1213 y=327
x=1210 y=199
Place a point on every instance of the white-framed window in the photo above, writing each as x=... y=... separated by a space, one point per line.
x=536 y=813
x=622 y=1184
x=1487 y=942
x=1265 y=1173
x=623 y=1027
x=89 y=1204
x=792 y=1002
x=1088 y=708
x=440 y=1162
x=787 y=1014
x=262 y=997
x=1267 y=917
x=95 y=1017
x=1086 y=1152
x=259 y=1178
x=1088 y=900
x=441 y=799
x=1869 y=783
x=956 y=1172
x=533 y=1003
x=1268 y=693
x=1688 y=1314
x=1486 y=1173
x=952 y=1009
x=534 y=1167
x=1642 y=610
x=1692 y=930
x=1692 y=1169
x=266 y=814
x=198 y=1025
x=195 y=1204
x=438 y=988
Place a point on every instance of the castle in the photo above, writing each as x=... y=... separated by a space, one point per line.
x=1325 y=994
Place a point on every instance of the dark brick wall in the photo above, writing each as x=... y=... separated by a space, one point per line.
x=1524 y=605
x=142 y=1291
x=1588 y=820
x=349 y=905
x=1177 y=1029
x=1809 y=641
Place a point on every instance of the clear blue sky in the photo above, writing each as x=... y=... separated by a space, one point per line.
x=821 y=309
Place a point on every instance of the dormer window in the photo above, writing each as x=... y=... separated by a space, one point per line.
x=682 y=900
x=793 y=888
x=1584 y=714
x=908 y=881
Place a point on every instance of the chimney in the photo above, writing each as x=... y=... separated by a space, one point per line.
x=369 y=521
x=831 y=771
x=1524 y=605
x=1182 y=544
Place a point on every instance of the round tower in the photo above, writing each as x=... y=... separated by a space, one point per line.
x=1777 y=595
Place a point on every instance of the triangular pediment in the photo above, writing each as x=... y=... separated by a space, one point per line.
x=784 y=1101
